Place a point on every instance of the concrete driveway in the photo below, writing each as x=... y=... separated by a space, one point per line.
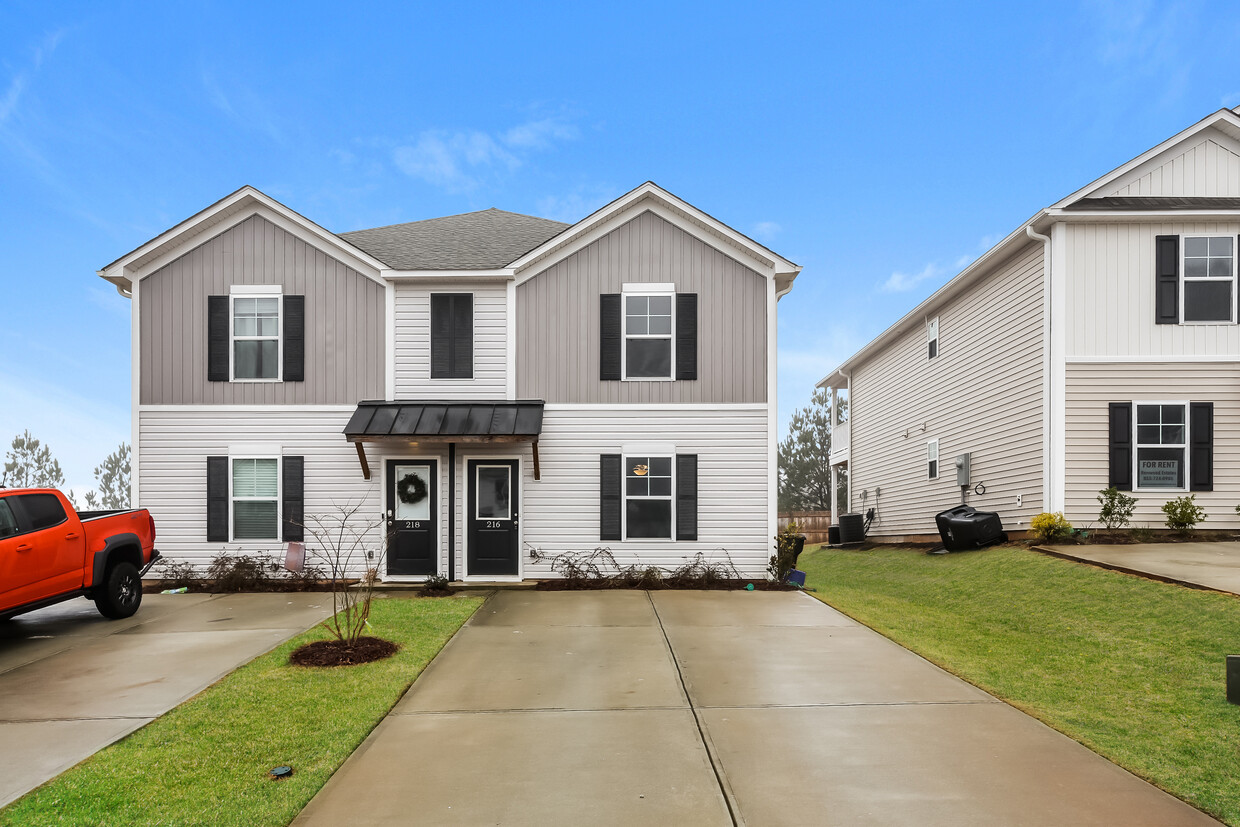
x=72 y=682
x=1210 y=565
x=712 y=708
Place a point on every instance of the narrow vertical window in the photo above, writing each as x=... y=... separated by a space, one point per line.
x=932 y=336
x=256 y=337
x=932 y=459
x=452 y=335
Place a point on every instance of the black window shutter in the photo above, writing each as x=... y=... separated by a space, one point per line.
x=686 y=497
x=293 y=487
x=1167 y=279
x=294 y=338
x=1121 y=446
x=609 y=497
x=217 y=499
x=686 y=335
x=610 y=337
x=463 y=336
x=1201 y=445
x=217 y=338
x=441 y=335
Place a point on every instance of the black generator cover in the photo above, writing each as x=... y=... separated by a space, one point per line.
x=964 y=527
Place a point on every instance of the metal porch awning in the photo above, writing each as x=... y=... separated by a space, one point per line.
x=406 y=423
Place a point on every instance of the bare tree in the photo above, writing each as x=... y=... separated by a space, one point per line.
x=112 y=477
x=344 y=541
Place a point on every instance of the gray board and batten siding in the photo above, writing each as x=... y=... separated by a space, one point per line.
x=558 y=319
x=982 y=394
x=345 y=320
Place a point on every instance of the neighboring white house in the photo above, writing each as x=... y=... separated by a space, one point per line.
x=489 y=383
x=1096 y=345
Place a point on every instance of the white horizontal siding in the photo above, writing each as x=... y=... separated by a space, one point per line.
x=1090 y=388
x=413 y=343
x=1109 y=276
x=561 y=511
x=982 y=395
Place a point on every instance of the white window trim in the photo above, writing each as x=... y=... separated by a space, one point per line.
x=937 y=462
x=932 y=324
x=1235 y=251
x=279 y=497
x=250 y=291
x=478 y=477
x=648 y=290
x=624 y=496
x=1136 y=447
x=473 y=335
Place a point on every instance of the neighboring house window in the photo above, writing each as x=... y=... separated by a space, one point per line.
x=648 y=335
x=648 y=497
x=1209 y=276
x=452 y=335
x=932 y=459
x=932 y=336
x=256 y=499
x=256 y=337
x=1162 y=441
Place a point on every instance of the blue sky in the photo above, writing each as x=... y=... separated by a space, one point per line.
x=882 y=146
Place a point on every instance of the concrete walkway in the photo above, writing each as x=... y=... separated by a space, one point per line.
x=1210 y=565
x=72 y=682
x=712 y=708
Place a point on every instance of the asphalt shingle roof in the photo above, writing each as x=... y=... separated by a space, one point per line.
x=483 y=240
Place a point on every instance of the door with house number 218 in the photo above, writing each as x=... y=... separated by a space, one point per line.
x=412 y=543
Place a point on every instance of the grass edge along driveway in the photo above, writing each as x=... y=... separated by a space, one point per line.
x=206 y=761
x=1131 y=668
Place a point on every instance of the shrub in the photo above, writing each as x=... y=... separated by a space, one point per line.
x=783 y=561
x=1050 y=526
x=1183 y=513
x=177 y=574
x=231 y=572
x=1117 y=508
x=436 y=586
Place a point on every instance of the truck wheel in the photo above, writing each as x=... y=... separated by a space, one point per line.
x=122 y=592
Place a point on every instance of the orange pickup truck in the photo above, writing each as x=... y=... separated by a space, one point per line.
x=49 y=552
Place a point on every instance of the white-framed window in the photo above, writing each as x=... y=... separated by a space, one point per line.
x=493 y=492
x=1208 y=279
x=255 y=313
x=648 y=507
x=932 y=459
x=1161 y=456
x=649 y=331
x=254 y=493
x=932 y=336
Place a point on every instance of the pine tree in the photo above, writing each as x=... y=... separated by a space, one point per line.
x=112 y=477
x=805 y=458
x=30 y=464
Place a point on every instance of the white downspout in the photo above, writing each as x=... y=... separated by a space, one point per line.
x=1049 y=498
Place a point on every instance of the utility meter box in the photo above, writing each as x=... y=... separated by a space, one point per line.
x=963 y=461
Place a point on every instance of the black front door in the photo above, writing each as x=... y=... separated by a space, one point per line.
x=491 y=516
x=413 y=518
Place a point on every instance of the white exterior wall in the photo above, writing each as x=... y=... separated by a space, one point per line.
x=1090 y=387
x=1207 y=165
x=413 y=342
x=561 y=511
x=982 y=395
x=1109 y=275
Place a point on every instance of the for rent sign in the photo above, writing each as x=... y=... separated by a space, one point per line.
x=1158 y=473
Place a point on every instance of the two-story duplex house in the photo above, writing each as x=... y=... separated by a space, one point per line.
x=1097 y=344
x=491 y=383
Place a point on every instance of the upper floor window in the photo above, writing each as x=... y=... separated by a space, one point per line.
x=932 y=459
x=648 y=332
x=452 y=335
x=932 y=336
x=1209 y=277
x=256 y=337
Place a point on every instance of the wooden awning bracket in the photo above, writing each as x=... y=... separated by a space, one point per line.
x=537 y=470
x=361 y=457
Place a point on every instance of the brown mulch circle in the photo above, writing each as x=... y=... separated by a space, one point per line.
x=435 y=592
x=339 y=653
x=714 y=585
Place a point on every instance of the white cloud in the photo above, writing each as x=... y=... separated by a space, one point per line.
x=17 y=86
x=899 y=282
x=766 y=230
x=576 y=205
x=241 y=104
x=461 y=160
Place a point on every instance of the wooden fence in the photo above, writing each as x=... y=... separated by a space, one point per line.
x=813 y=524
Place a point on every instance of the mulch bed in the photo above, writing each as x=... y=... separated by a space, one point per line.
x=714 y=585
x=210 y=587
x=339 y=653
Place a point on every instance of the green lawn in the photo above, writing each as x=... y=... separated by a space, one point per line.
x=1133 y=669
x=206 y=761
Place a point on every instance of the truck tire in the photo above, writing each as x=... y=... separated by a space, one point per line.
x=122 y=592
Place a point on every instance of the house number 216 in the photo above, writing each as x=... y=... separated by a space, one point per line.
x=494 y=524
